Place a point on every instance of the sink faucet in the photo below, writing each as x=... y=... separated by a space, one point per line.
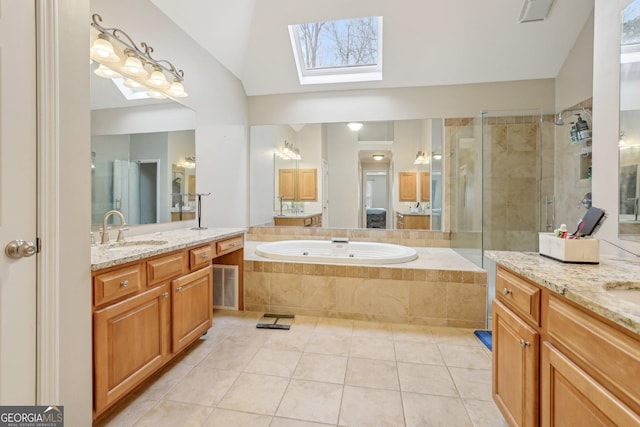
x=105 y=233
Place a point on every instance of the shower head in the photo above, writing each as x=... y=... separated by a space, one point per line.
x=558 y=121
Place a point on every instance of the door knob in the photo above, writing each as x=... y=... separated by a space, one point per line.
x=20 y=249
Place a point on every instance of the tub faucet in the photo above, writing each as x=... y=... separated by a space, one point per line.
x=105 y=233
x=339 y=240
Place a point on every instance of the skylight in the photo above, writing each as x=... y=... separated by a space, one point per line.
x=347 y=50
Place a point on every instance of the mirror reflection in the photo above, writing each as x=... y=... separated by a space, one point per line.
x=629 y=145
x=381 y=175
x=142 y=156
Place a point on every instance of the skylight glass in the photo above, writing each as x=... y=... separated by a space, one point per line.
x=346 y=50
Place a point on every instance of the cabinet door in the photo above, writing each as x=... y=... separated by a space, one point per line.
x=570 y=397
x=191 y=307
x=425 y=186
x=308 y=185
x=515 y=367
x=130 y=342
x=287 y=184
x=408 y=187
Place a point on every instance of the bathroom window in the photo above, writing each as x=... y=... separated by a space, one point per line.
x=347 y=50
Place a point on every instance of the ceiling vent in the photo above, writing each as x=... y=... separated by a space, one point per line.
x=535 y=10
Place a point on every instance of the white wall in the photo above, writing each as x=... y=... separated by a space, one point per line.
x=606 y=101
x=142 y=119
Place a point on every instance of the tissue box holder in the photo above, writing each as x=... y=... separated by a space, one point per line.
x=582 y=251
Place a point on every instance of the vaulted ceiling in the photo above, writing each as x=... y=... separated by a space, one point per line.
x=425 y=42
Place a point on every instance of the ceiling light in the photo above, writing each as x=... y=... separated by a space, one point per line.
x=106 y=72
x=437 y=156
x=133 y=66
x=355 y=126
x=102 y=50
x=378 y=157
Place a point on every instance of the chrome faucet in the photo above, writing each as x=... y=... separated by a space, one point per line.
x=105 y=233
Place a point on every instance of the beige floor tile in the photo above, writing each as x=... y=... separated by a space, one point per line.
x=426 y=410
x=416 y=333
x=253 y=337
x=418 y=352
x=259 y=394
x=285 y=422
x=311 y=401
x=229 y=356
x=363 y=328
x=329 y=344
x=294 y=340
x=372 y=373
x=336 y=327
x=128 y=412
x=472 y=383
x=455 y=336
x=429 y=379
x=280 y=363
x=462 y=356
x=370 y=407
x=160 y=383
x=195 y=353
x=321 y=367
x=226 y=418
x=202 y=386
x=484 y=413
x=171 y=414
x=372 y=348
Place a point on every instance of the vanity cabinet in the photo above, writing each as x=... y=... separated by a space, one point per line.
x=408 y=187
x=311 y=220
x=425 y=186
x=556 y=363
x=298 y=184
x=413 y=221
x=148 y=311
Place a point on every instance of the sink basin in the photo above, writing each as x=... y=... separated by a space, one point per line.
x=627 y=291
x=136 y=243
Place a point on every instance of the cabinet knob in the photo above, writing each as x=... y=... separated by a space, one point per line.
x=124 y=283
x=165 y=294
x=506 y=291
x=524 y=343
x=179 y=289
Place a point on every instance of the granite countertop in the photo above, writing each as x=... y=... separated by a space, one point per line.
x=584 y=284
x=426 y=213
x=139 y=247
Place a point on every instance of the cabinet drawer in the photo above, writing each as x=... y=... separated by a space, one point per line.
x=167 y=267
x=609 y=355
x=200 y=257
x=229 y=245
x=118 y=283
x=520 y=295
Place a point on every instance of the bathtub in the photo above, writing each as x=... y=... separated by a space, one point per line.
x=337 y=252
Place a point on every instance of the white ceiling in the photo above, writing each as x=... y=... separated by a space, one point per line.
x=425 y=42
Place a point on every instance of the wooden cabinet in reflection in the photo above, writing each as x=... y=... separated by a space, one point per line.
x=177 y=216
x=408 y=187
x=425 y=186
x=298 y=184
x=413 y=221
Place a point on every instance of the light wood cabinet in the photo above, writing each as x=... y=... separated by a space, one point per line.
x=298 y=221
x=298 y=184
x=413 y=221
x=425 y=186
x=130 y=342
x=408 y=187
x=556 y=363
x=146 y=312
x=191 y=307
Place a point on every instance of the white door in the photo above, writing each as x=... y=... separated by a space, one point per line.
x=17 y=201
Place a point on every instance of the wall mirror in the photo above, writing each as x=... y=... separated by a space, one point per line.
x=382 y=175
x=142 y=156
x=629 y=145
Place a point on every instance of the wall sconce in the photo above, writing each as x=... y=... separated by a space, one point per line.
x=133 y=62
x=355 y=126
x=189 y=162
x=289 y=152
x=378 y=157
x=421 y=159
x=437 y=156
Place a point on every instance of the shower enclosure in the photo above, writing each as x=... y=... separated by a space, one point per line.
x=501 y=175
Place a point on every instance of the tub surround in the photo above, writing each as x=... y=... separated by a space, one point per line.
x=582 y=284
x=439 y=288
x=113 y=254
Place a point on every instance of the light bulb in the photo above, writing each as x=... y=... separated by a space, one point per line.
x=102 y=50
x=134 y=85
x=134 y=67
x=177 y=89
x=155 y=94
x=106 y=72
x=355 y=126
x=158 y=80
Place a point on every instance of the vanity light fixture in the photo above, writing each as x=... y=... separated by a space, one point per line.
x=378 y=157
x=137 y=65
x=189 y=162
x=421 y=159
x=355 y=126
x=289 y=152
x=134 y=85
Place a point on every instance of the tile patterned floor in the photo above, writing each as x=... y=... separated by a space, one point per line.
x=322 y=372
